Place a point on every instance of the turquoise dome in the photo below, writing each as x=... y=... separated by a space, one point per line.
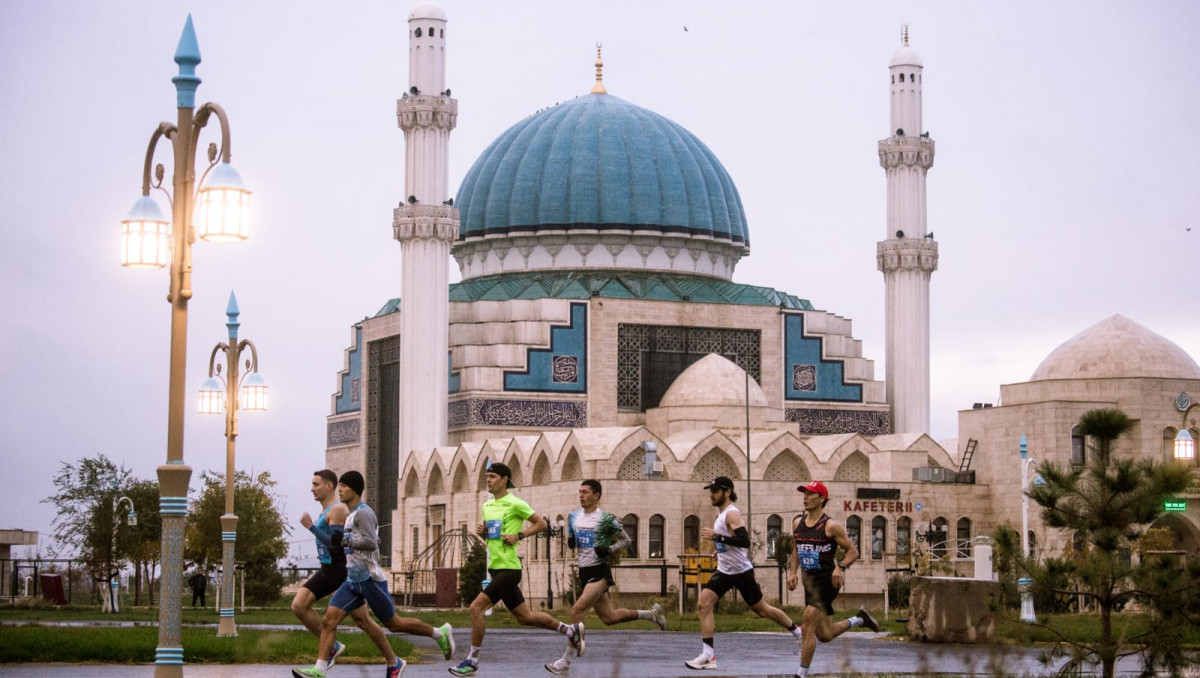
x=599 y=162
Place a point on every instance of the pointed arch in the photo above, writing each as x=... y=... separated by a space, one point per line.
x=541 y=470
x=854 y=468
x=412 y=484
x=715 y=463
x=572 y=468
x=461 y=481
x=436 y=484
x=787 y=466
x=514 y=464
x=633 y=467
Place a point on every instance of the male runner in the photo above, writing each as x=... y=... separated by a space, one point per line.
x=594 y=534
x=503 y=527
x=817 y=538
x=333 y=565
x=366 y=583
x=734 y=570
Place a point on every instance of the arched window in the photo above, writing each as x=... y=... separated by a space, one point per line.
x=655 y=543
x=964 y=538
x=691 y=534
x=878 y=537
x=419 y=35
x=938 y=537
x=630 y=523
x=774 y=529
x=853 y=530
x=903 y=535
x=1032 y=541
x=1078 y=448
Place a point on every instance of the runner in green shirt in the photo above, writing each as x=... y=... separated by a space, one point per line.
x=503 y=526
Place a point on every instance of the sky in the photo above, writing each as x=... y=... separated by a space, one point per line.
x=1064 y=189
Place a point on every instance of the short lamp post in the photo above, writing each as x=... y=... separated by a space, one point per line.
x=553 y=529
x=1185 y=445
x=150 y=241
x=114 y=582
x=216 y=398
x=1025 y=583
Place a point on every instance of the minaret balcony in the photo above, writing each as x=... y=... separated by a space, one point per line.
x=436 y=222
x=907 y=254
x=906 y=152
x=423 y=110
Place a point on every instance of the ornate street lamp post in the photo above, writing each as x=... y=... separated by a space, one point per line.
x=147 y=241
x=213 y=399
x=114 y=582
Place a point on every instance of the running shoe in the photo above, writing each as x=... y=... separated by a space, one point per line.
x=446 y=642
x=396 y=670
x=338 y=649
x=658 y=617
x=702 y=662
x=868 y=620
x=466 y=667
x=575 y=638
x=560 y=666
x=310 y=672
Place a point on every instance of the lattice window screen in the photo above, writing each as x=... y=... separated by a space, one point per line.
x=412 y=486
x=787 y=467
x=854 y=468
x=715 y=463
x=460 y=478
x=632 y=468
x=436 y=484
x=515 y=466
x=541 y=471
x=572 y=469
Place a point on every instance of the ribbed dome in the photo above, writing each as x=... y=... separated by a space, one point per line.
x=712 y=380
x=1117 y=348
x=599 y=163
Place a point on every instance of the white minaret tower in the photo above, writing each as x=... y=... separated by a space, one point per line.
x=909 y=255
x=426 y=225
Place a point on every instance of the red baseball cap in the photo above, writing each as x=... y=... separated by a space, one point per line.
x=816 y=487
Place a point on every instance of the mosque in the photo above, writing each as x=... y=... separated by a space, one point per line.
x=598 y=332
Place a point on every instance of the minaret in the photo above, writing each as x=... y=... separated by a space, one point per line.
x=909 y=255
x=426 y=224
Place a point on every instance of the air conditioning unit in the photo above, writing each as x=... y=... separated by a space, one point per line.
x=657 y=467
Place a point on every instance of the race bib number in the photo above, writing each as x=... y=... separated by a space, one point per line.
x=809 y=560
x=720 y=547
x=493 y=529
x=585 y=539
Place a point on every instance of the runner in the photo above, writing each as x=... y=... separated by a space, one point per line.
x=504 y=517
x=595 y=534
x=366 y=583
x=734 y=570
x=333 y=565
x=817 y=538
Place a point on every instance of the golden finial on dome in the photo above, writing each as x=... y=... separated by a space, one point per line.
x=598 y=88
x=906 y=35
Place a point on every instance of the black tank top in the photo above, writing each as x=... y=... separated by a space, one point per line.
x=814 y=549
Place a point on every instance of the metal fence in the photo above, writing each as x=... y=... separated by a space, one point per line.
x=21 y=580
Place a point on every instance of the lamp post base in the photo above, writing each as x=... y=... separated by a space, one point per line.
x=226 y=627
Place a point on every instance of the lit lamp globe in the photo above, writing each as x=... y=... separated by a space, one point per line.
x=1185 y=446
x=212 y=397
x=223 y=206
x=254 y=392
x=145 y=236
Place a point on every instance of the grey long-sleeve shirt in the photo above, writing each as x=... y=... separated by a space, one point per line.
x=361 y=542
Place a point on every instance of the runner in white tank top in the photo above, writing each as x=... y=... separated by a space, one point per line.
x=730 y=559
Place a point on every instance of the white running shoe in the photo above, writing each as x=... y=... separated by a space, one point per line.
x=702 y=662
x=658 y=617
x=560 y=666
x=338 y=649
x=576 y=639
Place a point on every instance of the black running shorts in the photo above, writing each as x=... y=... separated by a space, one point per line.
x=744 y=582
x=591 y=573
x=819 y=591
x=326 y=580
x=505 y=586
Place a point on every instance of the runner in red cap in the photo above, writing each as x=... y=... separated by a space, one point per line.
x=817 y=538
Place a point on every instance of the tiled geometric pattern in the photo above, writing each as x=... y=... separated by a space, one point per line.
x=804 y=378
x=562 y=368
x=824 y=422
x=633 y=466
x=787 y=467
x=349 y=397
x=742 y=347
x=436 y=484
x=460 y=478
x=817 y=378
x=715 y=463
x=854 y=469
x=572 y=468
x=541 y=470
x=383 y=440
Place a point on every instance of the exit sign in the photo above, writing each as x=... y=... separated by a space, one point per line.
x=1175 y=506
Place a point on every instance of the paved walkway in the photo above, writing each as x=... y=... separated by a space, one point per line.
x=520 y=653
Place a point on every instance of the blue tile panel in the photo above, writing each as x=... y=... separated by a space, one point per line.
x=524 y=413
x=599 y=162
x=806 y=375
x=628 y=284
x=828 y=422
x=454 y=378
x=563 y=367
x=349 y=398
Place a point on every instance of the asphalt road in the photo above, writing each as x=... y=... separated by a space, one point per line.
x=521 y=653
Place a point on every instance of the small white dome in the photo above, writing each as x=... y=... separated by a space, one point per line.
x=427 y=10
x=907 y=56
x=1117 y=348
x=712 y=380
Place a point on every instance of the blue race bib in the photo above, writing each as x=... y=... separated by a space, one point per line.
x=585 y=539
x=493 y=529
x=809 y=560
x=720 y=547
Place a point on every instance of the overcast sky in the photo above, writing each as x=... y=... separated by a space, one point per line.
x=1063 y=190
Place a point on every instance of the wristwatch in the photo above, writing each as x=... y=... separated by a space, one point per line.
x=520 y=536
x=842 y=565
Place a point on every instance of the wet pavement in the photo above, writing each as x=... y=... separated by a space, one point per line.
x=521 y=653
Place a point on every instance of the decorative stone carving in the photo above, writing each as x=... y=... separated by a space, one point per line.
x=426 y=111
x=906 y=152
x=907 y=253
x=436 y=222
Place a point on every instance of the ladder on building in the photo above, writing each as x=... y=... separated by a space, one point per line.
x=965 y=464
